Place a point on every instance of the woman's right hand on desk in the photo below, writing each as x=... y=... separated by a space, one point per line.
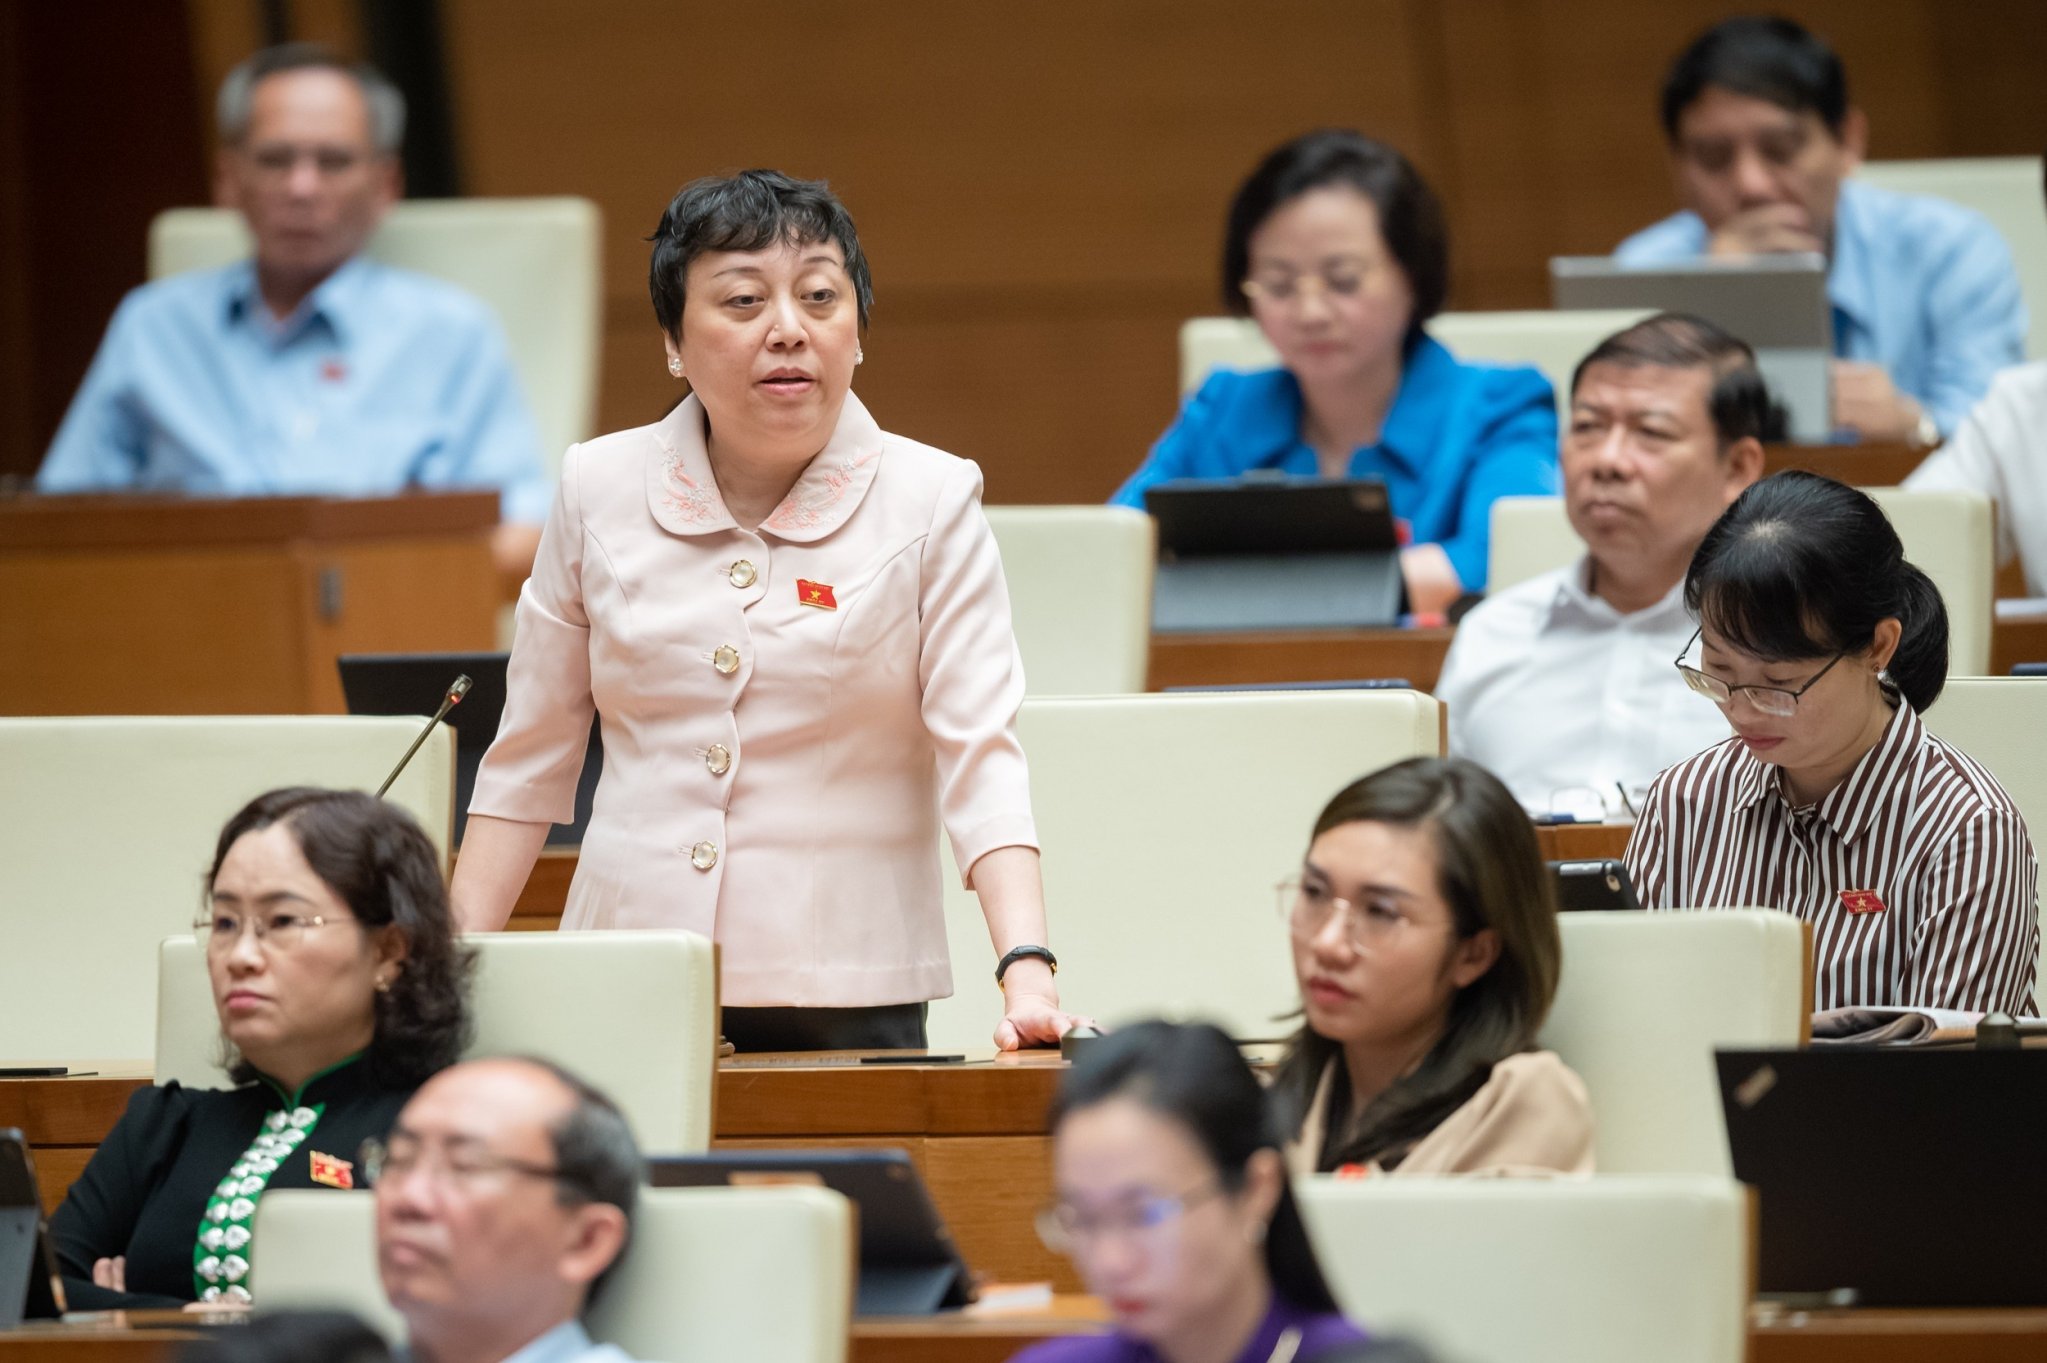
x=111 y=1274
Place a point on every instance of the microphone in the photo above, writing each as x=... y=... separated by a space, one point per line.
x=456 y=690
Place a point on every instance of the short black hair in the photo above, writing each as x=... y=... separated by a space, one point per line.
x=321 y=1336
x=750 y=211
x=1739 y=403
x=1766 y=58
x=379 y=862
x=1410 y=216
x=1192 y=1074
x=1802 y=567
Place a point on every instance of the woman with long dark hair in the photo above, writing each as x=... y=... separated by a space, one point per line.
x=1425 y=940
x=1173 y=1201
x=340 y=986
x=1822 y=645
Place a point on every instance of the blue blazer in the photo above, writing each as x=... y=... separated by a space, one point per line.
x=1458 y=436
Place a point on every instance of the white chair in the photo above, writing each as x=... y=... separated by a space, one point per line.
x=764 y=1274
x=1644 y=1001
x=107 y=827
x=1079 y=595
x=1165 y=822
x=2002 y=723
x=2004 y=189
x=1948 y=534
x=536 y=262
x=635 y=1013
x=1598 y=1270
x=1553 y=342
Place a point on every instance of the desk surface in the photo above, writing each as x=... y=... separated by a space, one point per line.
x=1894 y=1336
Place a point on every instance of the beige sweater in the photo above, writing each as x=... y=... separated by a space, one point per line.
x=1530 y=1118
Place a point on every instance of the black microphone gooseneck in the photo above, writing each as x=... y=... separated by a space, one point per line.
x=456 y=690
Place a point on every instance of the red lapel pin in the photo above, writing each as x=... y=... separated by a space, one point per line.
x=817 y=594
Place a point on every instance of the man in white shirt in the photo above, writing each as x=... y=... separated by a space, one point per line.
x=2000 y=451
x=504 y=1196
x=1563 y=684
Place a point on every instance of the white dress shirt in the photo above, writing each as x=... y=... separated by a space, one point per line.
x=1554 y=690
x=2001 y=452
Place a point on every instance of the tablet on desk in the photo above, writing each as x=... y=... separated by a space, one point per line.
x=909 y=1265
x=30 y=1287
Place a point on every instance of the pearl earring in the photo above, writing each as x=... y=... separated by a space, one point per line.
x=675 y=366
x=859 y=356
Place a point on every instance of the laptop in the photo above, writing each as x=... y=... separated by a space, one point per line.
x=1893 y=1177
x=1274 y=551
x=908 y=1263
x=415 y=683
x=30 y=1288
x=1776 y=303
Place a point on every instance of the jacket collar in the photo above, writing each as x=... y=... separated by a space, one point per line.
x=683 y=492
x=1409 y=435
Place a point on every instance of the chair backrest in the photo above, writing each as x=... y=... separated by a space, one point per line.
x=1079 y=594
x=2002 y=723
x=635 y=1013
x=1645 y=999
x=1948 y=534
x=535 y=262
x=757 y=1273
x=107 y=826
x=1164 y=822
x=1596 y=1270
x=2004 y=189
x=1553 y=342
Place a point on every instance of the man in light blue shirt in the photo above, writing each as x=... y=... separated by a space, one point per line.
x=505 y=1197
x=307 y=369
x=1762 y=141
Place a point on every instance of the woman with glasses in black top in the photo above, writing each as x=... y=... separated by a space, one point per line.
x=340 y=988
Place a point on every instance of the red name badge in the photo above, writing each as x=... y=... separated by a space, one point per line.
x=818 y=594
x=1861 y=901
x=335 y=1173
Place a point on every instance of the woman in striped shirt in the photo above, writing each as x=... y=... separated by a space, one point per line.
x=1822 y=645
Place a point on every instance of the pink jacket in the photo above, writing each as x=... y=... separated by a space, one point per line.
x=785 y=712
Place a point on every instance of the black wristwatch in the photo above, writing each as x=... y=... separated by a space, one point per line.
x=1016 y=954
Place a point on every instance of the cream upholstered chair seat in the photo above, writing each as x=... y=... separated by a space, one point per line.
x=1948 y=534
x=2004 y=189
x=1079 y=595
x=1552 y=342
x=535 y=262
x=2002 y=723
x=1165 y=821
x=107 y=827
x=635 y=1013
x=1609 y=1269
x=763 y=1274
x=1644 y=1001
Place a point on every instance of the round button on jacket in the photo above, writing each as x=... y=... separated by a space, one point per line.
x=743 y=574
x=718 y=758
x=704 y=855
x=726 y=659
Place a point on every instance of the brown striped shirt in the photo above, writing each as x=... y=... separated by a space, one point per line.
x=1954 y=922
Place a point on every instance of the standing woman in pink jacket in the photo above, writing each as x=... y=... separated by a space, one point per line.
x=793 y=628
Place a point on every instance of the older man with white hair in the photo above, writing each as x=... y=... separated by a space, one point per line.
x=308 y=368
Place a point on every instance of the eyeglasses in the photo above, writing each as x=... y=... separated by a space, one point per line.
x=1769 y=700
x=1067 y=1229
x=1339 y=279
x=1305 y=906
x=219 y=931
x=403 y=1156
x=275 y=161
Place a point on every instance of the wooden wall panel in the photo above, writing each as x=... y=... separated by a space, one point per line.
x=1039 y=187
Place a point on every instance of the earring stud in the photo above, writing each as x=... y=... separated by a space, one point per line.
x=675 y=366
x=859 y=356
